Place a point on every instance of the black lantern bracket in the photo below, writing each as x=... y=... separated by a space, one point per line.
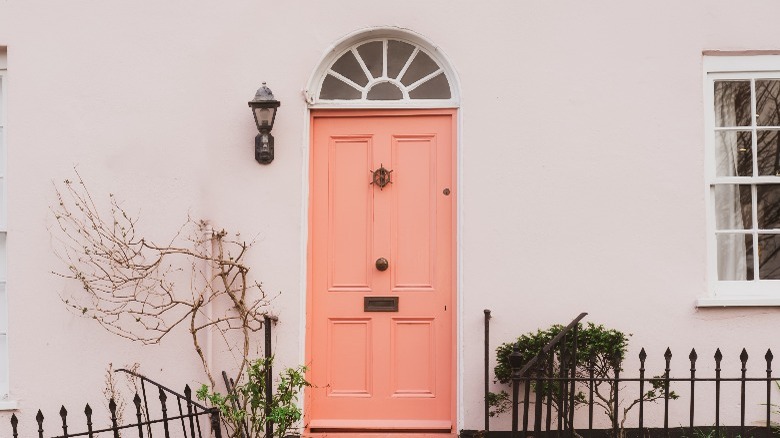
x=264 y=107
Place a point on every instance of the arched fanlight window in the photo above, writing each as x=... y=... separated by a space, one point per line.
x=385 y=70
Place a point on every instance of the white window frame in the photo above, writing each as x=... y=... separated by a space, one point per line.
x=749 y=66
x=5 y=403
x=314 y=85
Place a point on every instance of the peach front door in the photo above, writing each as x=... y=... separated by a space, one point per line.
x=381 y=335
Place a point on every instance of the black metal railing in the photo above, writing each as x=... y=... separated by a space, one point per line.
x=565 y=375
x=183 y=422
x=230 y=384
x=562 y=395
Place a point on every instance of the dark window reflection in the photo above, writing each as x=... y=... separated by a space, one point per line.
x=733 y=207
x=384 y=91
x=768 y=197
x=767 y=95
x=735 y=257
x=398 y=52
x=732 y=103
x=769 y=262
x=333 y=88
x=349 y=67
x=372 y=57
x=734 y=153
x=749 y=256
x=769 y=153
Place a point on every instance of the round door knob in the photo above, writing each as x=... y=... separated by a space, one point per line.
x=382 y=264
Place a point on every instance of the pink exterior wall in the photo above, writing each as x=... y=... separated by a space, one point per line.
x=581 y=163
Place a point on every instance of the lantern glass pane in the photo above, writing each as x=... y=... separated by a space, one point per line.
x=264 y=116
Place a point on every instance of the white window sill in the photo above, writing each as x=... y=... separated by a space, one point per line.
x=9 y=405
x=738 y=302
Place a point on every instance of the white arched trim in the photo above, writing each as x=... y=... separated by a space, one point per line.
x=349 y=42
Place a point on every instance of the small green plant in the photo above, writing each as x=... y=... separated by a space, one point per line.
x=710 y=432
x=598 y=347
x=243 y=409
x=775 y=410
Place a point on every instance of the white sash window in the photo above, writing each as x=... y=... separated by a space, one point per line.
x=4 y=404
x=742 y=104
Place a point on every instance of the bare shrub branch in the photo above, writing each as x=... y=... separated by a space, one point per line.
x=132 y=286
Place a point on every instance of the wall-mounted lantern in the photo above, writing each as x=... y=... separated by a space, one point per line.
x=264 y=109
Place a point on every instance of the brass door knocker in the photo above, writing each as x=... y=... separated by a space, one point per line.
x=381 y=177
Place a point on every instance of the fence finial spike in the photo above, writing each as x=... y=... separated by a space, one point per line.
x=615 y=360
x=112 y=405
x=769 y=356
x=743 y=356
x=187 y=391
x=668 y=353
x=515 y=358
x=63 y=411
x=693 y=356
x=87 y=410
x=39 y=416
x=642 y=354
x=14 y=420
x=137 y=400
x=718 y=355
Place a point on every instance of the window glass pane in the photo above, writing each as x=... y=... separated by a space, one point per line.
x=732 y=103
x=769 y=153
x=735 y=257
x=384 y=91
x=333 y=88
x=3 y=365
x=767 y=95
x=3 y=214
x=733 y=153
x=397 y=54
x=2 y=257
x=436 y=88
x=348 y=67
x=3 y=309
x=372 y=57
x=422 y=65
x=768 y=259
x=768 y=198
x=732 y=207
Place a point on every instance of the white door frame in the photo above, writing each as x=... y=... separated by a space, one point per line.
x=309 y=95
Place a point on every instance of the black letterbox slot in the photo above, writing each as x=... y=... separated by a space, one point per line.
x=380 y=304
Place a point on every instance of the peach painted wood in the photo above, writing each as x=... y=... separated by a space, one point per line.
x=378 y=371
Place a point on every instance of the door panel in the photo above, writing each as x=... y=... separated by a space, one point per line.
x=414 y=212
x=381 y=370
x=350 y=213
x=414 y=358
x=349 y=357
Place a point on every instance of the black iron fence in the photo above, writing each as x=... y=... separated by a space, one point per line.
x=559 y=393
x=183 y=419
x=158 y=420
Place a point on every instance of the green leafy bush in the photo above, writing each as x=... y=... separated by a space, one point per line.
x=606 y=348
x=244 y=408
